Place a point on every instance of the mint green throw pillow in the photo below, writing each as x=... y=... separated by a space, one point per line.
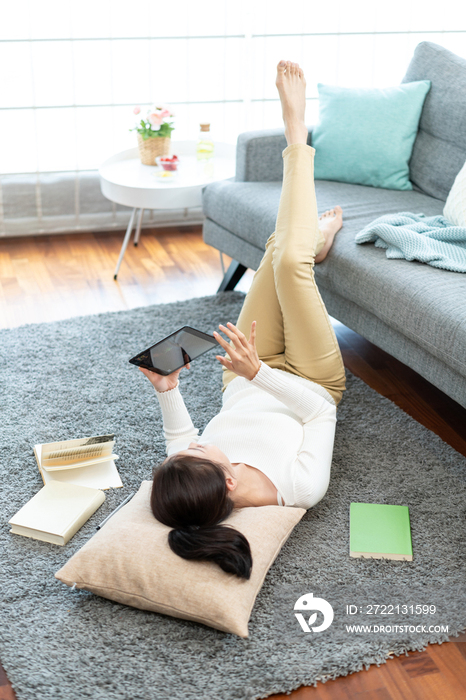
x=365 y=135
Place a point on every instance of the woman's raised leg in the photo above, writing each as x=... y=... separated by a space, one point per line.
x=294 y=332
x=311 y=347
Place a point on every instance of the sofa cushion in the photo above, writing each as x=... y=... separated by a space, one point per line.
x=440 y=147
x=455 y=206
x=249 y=209
x=424 y=303
x=365 y=136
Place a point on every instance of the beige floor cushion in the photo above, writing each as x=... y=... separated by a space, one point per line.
x=455 y=206
x=130 y=562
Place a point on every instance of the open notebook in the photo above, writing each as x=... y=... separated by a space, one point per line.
x=85 y=461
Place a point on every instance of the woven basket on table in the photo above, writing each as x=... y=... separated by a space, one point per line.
x=150 y=148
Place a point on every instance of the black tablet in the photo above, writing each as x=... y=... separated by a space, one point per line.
x=175 y=351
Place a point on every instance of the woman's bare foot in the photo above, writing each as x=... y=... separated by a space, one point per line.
x=292 y=90
x=330 y=223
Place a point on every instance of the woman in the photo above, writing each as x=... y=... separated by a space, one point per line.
x=272 y=442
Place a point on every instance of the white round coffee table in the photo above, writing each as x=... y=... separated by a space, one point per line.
x=125 y=180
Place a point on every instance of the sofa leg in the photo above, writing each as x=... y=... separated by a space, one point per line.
x=232 y=276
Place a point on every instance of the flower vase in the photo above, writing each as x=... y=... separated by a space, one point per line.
x=152 y=147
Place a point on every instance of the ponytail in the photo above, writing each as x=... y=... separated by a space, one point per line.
x=224 y=545
x=189 y=494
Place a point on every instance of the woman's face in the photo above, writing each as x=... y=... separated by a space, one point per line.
x=211 y=452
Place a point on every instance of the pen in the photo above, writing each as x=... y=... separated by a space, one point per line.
x=114 y=511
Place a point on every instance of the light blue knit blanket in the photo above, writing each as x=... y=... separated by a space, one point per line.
x=432 y=239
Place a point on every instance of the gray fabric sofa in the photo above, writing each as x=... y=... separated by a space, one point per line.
x=415 y=312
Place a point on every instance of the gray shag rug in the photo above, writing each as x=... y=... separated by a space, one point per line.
x=72 y=378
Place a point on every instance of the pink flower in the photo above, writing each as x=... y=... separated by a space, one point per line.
x=165 y=113
x=136 y=110
x=155 y=119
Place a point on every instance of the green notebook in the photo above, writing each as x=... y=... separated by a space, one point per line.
x=380 y=531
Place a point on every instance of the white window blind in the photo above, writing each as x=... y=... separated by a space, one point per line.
x=72 y=73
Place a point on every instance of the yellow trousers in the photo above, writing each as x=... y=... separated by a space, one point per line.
x=293 y=331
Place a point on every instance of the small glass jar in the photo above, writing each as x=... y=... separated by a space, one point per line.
x=205 y=146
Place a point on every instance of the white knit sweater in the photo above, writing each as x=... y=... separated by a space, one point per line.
x=279 y=423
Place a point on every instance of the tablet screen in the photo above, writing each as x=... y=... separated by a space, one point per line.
x=175 y=351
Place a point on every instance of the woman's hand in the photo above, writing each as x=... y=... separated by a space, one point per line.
x=244 y=358
x=160 y=382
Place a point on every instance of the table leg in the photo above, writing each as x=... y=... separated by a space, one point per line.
x=125 y=242
x=138 y=228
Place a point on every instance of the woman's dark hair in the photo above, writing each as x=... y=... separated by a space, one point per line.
x=190 y=495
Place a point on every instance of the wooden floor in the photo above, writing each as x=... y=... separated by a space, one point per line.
x=54 y=277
